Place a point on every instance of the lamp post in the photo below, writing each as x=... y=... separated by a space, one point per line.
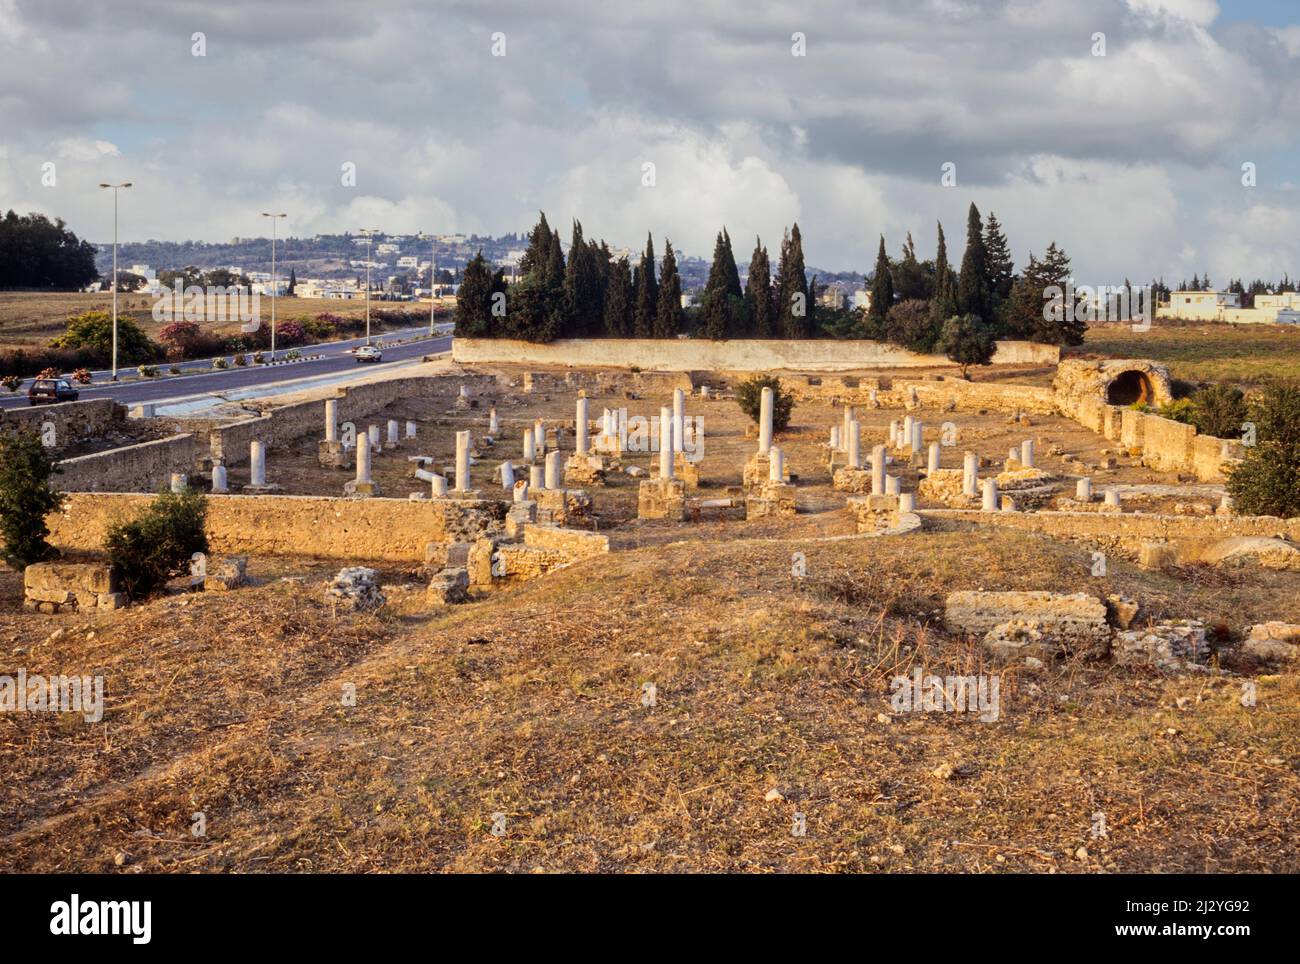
x=433 y=280
x=274 y=285
x=368 y=233
x=115 y=188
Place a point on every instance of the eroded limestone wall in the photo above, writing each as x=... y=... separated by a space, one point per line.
x=144 y=467
x=396 y=530
x=72 y=421
x=740 y=355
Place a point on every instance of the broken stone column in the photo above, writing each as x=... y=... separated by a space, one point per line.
x=507 y=475
x=1083 y=490
x=392 y=433
x=362 y=485
x=878 y=470
x=893 y=485
x=855 y=444
x=438 y=487
x=932 y=464
x=1112 y=498
x=257 y=456
x=907 y=502
x=521 y=491
x=893 y=433
x=970 y=474
x=179 y=482
x=530 y=445
x=775 y=465
x=494 y=427
x=219 y=484
x=462 y=461
x=990 y=503
x=331 y=419
x=850 y=415
x=666 y=441
x=539 y=437
x=1027 y=453
x=765 y=422
x=554 y=468
x=836 y=444
x=905 y=435
x=580 y=434
x=918 y=437
x=536 y=477
x=679 y=418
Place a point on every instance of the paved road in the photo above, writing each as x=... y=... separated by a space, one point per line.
x=336 y=360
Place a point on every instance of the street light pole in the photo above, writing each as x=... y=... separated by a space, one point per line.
x=369 y=234
x=115 y=188
x=433 y=278
x=274 y=285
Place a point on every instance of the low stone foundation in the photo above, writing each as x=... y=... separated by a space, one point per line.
x=662 y=499
x=51 y=587
x=770 y=499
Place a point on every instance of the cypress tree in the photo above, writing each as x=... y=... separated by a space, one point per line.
x=539 y=245
x=474 y=300
x=582 y=288
x=882 y=289
x=973 y=289
x=618 y=300
x=793 y=310
x=998 y=255
x=647 y=293
x=944 y=304
x=669 y=317
x=758 y=294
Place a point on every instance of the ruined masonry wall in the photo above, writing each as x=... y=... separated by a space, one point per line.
x=146 y=465
x=73 y=421
x=394 y=530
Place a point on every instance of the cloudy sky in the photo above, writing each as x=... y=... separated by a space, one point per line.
x=1131 y=160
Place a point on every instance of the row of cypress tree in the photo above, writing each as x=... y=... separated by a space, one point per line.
x=593 y=295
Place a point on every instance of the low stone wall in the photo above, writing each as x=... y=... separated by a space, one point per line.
x=396 y=530
x=72 y=421
x=740 y=355
x=146 y=466
x=1126 y=531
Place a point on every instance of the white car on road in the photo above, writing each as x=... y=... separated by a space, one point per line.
x=368 y=353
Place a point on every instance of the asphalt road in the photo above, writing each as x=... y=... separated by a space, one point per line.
x=335 y=359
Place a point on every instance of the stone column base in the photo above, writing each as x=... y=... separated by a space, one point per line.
x=662 y=499
x=361 y=490
x=686 y=470
x=852 y=480
x=771 y=498
x=582 y=470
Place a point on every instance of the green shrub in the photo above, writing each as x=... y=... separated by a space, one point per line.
x=240 y=361
x=1267 y=481
x=749 y=396
x=1219 y=410
x=11 y=383
x=1181 y=410
x=147 y=371
x=25 y=498
x=220 y=363
x=967 y=341
x=158 y=543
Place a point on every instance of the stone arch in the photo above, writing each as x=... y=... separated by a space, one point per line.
x=1129 y=387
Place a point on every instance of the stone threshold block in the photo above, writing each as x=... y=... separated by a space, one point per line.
x=857 y=481
x=770 y=499
x=662 y=499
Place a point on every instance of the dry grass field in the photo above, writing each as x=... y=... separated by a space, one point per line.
x=1240 y=354
x=528 y=703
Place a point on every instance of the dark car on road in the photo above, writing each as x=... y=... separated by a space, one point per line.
x=50 y=391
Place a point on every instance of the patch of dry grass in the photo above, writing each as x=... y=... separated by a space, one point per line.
x=528 y=703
